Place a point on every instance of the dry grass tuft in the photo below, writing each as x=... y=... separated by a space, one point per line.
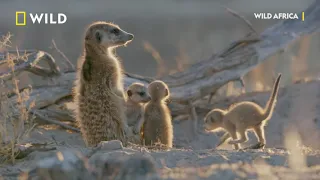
x=182 y=60
x=162 y=69
x=13 y=115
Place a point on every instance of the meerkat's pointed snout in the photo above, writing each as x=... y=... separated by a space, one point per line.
x=130 y=36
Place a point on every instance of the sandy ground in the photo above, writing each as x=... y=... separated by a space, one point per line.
x=297 y=106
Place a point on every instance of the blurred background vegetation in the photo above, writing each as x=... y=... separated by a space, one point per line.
x=169 y=34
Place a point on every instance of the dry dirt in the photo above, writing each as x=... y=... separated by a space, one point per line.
x=195 y=157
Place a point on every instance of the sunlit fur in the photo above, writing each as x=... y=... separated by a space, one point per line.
x=99 y=86
x=241 y=117
x=157 y=126
x=137 y=96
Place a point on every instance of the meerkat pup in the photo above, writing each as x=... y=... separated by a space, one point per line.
x=137 y=95
x=157 y=127
x=99 y=87
x=242 y=117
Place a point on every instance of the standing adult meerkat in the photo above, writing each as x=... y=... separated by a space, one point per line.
x=99 y=87
x=157 y=127
x=242 y=117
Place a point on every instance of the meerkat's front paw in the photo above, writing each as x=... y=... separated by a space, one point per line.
x=118 y=92
x=136 y=129
x=127 y=130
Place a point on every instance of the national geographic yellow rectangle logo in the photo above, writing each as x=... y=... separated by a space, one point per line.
x=39 y=18
x=23 y=18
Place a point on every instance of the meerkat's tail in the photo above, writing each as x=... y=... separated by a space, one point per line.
x=272 y=100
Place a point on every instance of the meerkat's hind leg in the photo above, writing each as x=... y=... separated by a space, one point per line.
x=223 y=138
x=259 y=132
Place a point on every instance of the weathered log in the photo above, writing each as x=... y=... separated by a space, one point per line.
x=198 y=81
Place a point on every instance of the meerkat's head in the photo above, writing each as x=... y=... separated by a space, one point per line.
x=213 y=120
x=104 y=35
x=137 y=92
x=158 y=90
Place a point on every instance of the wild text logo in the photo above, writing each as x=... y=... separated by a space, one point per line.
x=40 y=18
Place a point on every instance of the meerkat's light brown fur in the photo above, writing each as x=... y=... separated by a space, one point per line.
x=157 y=127
x=242 y=117
x=137 y=96
x=99 y=88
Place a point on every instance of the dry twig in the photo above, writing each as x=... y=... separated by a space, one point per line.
x=248 y=23
x=70 y=66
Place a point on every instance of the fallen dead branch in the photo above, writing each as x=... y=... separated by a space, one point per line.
x=52 y=121
x=23 y=150
x=191 y=85
x=29 y=63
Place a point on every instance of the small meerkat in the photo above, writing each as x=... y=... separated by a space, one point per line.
x=137 y=95
x=241 y=117
x=99 y=93
x=157 y=127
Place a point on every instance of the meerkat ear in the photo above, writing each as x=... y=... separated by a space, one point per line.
x=129 y=92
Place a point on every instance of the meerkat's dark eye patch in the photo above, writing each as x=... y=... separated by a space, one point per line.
x=129 y=92
x=142 y=93
x=115 y=31
x=98 y=36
